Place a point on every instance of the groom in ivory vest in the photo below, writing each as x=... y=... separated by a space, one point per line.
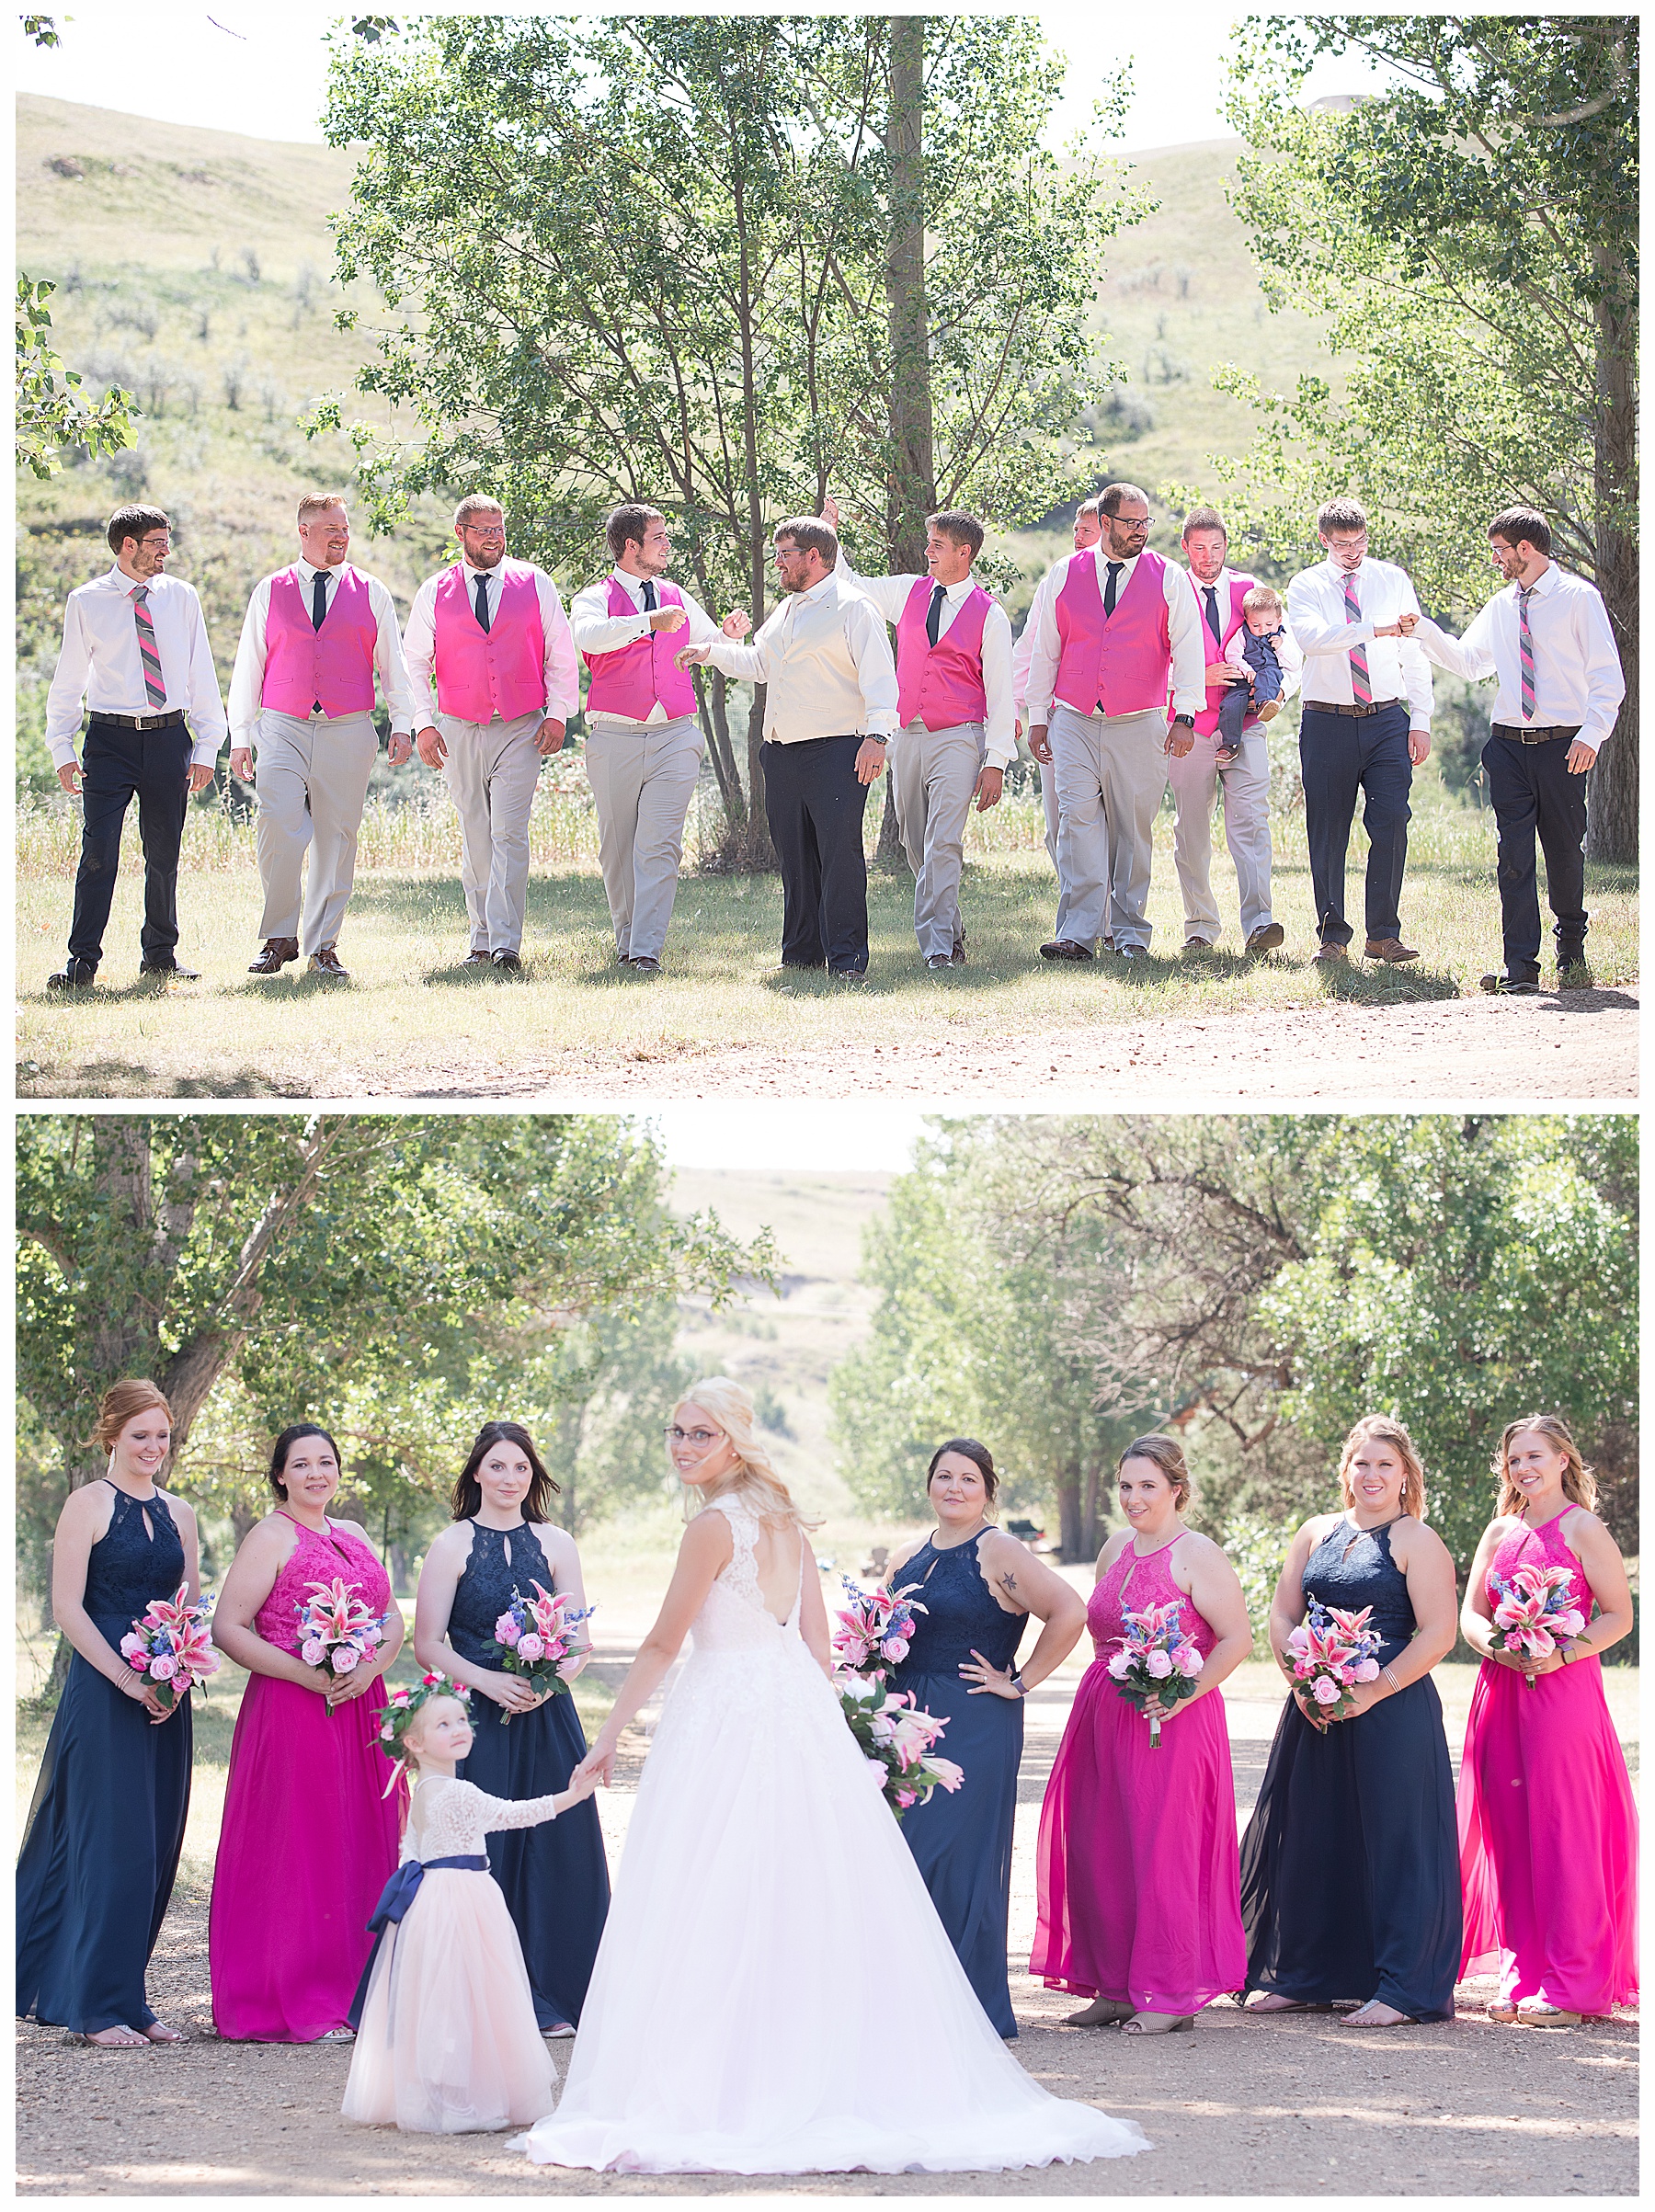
x=314 y=637
x=493 y=670
x=957 y=731
x=1117 y=629
x=645 y=744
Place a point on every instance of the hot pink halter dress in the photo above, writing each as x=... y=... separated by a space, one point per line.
x=1139 y=1896
x=308 y=1842
x=1547 y=1828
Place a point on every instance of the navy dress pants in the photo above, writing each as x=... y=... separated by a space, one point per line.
x=118 y=766
x=1533 y=793
x=814 y=807
x=1341 y=756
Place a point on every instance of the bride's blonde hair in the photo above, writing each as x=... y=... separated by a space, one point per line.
x=754 y=1480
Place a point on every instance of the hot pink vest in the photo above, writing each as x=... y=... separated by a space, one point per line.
x=1122 y=664
x=629 y=680
x=334 y=663
x=499 y=671
x=1206 y=722
x=941 y=685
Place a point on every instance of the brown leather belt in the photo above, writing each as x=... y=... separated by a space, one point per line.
x=1532 y=736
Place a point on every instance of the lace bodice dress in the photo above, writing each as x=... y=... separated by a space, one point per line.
x=765 y=1888
x=451 y=1818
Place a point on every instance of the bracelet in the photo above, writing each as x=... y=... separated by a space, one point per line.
x=1386 y=1675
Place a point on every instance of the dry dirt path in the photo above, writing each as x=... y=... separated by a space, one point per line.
x=1495 y=1053
x=1296 y=2106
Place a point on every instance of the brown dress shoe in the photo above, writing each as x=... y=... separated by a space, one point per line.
x=1391 y=948
x=1266 y=938
x=326 y=961
x=1064 y=948
x=475 y=959
x=1330 y=949
x=277 y=951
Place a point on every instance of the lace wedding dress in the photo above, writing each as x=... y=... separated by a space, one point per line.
x=774 y=1992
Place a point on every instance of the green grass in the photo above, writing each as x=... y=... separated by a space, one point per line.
x=412 y=1021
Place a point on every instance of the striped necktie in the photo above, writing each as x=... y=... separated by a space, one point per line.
x=1525 y=649
x=154 y=684
x=1362 y=689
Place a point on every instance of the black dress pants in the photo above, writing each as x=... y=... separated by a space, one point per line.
x=1339 y=756
x=1533 y=793
x=814 y=807
x=118 y=766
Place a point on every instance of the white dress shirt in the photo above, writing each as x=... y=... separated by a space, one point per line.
x=1397 y=668
x=100 y=663
x=419 y=642
x=1183 y=631
x=826 y=662
x=598 y=631
x=890 y=595
x=246 y=680
x=1577 y=675
x=1023 y=651
x=1291 y=659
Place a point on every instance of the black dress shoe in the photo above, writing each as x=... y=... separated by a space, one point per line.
x=1064 y=948
x=1573 y=973
x=169 y=968
x=505 y=964
x=1508 y=986
x=74 y=975
x=477 y=958
x=644 y=963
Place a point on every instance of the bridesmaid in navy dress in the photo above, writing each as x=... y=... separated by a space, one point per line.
x=1349 y=1866
x=107 y=1824
x=554 y=1876
x=979 y=1586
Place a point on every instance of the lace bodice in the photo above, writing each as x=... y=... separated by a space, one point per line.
x=339 y=1557
x=1351 y=1568
x=1542 y=1546
x=449 y=1818
x=129 y=1565
x=486 y=1583
x=962 y=1614
x=1137 y=1579
x=734 y=1616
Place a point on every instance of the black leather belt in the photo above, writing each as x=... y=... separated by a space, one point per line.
x=139 y=722
x=1328 y=706
x=1528 y=735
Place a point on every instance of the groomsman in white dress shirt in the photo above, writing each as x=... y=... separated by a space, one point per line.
x=1366 y=725
x=958 y=733
x=1089 y=529
x=135 y=653
x=492 y=671
x=1117 y=632
x=301 y=695
x=644 y=742
x=1243 y=789
x=1548 y=642
x=829 y=710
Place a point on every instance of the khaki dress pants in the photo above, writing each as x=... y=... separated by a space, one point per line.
x=1245 y=792
x=933 y=778
x=643 y=777
x=1110 y=773
x=311 y=774
x=491 y=772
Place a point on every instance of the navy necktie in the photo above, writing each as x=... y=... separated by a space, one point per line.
x=1109 y=589
x=1217 y=628
x=483 y=604
x=649 y=595
x=319 y=600
x=933 y=616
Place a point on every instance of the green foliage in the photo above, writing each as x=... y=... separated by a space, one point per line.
x=54 y=409
x=1256 y=1546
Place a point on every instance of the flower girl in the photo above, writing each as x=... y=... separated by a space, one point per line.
x=447 y=2040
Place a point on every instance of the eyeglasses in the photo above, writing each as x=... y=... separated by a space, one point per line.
x=700 y=1438
x=487 y=536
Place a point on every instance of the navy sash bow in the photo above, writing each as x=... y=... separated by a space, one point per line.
x=395 y=1900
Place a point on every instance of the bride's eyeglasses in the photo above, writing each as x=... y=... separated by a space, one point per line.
x=700 y=1438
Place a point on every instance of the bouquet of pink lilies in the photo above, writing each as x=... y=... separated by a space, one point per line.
x=895 y=1740
x=877 y=1624
x=337 y=1631
x=1156 y=1659
x=534 y=1635
x=1536 y=1608
x=169 y=1644
x=1332 y=1651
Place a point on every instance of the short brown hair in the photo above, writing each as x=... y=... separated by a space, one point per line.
x=980 y=1456
x=810 y=534
x=1167 y=1453
x=1089 y=507
x=122 y=1402
x=313 y=503
x=1340 y=514
x=627 y=523
x=1204 y=517
x=477 y=503
x=1520 y=523
x=955 y=523
x=133 y=522
x=1261 y=595
x=1379 y=1428
x=1111 y=497
x=1580 y=1484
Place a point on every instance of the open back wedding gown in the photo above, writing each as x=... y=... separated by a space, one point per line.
x=774 y=1992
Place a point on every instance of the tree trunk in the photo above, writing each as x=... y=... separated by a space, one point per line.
x=912 y=490
x=1088 y=1519
x=890 y=837
x=1071 y=1540
x=1612 y=795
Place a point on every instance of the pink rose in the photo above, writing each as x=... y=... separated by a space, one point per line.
x=312 y=1653
x=507 y=1630
x=1189 y=1663
x=1569 y=1622
x=529 y=1647
x=905 y=1798
x=1367 y=1670
x=345 y=1659
x=1325 y=1691
x=163 y=1668
x=877 y=1773
x=1159 y=1664
x=1118 y=1664
x=895 y=1648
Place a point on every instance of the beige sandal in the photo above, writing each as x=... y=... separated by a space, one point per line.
x=1158 y=2024
x=158 y=2032
x=1102 y=2011
x=117 y=2038
x=1546 y=2016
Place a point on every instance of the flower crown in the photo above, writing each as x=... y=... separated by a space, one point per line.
x=405 y=1702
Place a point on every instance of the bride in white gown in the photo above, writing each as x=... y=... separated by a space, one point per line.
x=774 y=1992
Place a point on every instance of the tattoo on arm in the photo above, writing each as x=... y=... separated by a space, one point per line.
x=1007 y=1581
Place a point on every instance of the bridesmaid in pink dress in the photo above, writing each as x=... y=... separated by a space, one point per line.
x=306 y=1817
x=1548 y=1832
x=1139 y=1896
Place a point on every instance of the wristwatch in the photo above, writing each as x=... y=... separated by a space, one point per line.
x=1018 y=1682
x=1188 y=720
